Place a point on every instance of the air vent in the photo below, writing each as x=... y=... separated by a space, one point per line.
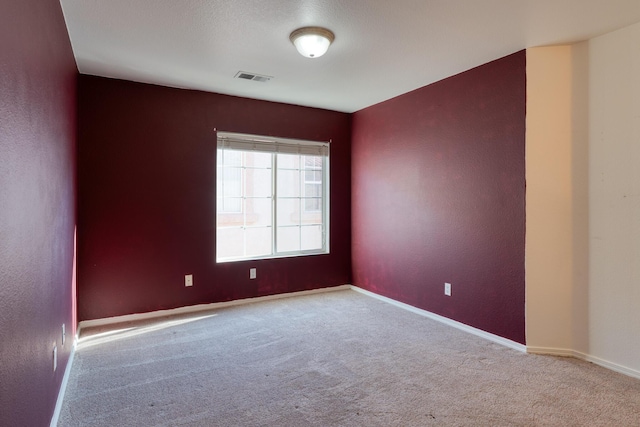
x=252 y=76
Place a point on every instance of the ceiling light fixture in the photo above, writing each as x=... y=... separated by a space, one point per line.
x=312 y=42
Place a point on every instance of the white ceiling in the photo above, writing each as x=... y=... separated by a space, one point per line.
x=383 y=48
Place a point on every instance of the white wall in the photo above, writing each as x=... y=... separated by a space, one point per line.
x=549 y=210
x=583 y=200
x=614 y=197
x=580 y=197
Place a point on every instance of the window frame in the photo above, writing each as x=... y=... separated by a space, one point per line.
x=239 y=142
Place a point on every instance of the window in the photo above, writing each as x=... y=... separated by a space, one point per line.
x=272 y=197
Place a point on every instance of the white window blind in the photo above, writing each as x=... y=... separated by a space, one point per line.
x=245 y=142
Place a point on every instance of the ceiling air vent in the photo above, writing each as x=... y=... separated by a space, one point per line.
x=252 y=76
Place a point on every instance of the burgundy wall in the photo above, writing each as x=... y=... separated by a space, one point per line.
x=37 y=206
x=438 y=191
x=146 y=202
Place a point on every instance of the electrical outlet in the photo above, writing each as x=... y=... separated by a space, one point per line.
x=447 y=289
x=64 y=335
x=55 y=357
x=188 y=280
x=252 y=273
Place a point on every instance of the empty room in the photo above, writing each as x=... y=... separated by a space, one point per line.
x=319 y=213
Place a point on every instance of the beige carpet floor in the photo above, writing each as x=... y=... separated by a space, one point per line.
x=332 y=359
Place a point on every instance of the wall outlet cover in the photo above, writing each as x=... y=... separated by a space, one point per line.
x=447 y=289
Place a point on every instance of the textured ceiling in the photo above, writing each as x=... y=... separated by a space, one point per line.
x=383 y=48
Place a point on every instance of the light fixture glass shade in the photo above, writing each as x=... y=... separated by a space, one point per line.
x=312 y=42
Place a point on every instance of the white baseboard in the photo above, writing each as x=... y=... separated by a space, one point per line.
x=565 y=352
x=609 y=365
x=461 y=326
x=550 y=351
x=63 y=385
x=466 y=328
x=200 y=307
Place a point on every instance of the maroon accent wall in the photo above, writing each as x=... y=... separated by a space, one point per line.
x=147 y=186
x=37 y=206
x=438 y=194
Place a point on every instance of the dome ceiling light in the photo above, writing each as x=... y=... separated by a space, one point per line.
x=312 y=42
